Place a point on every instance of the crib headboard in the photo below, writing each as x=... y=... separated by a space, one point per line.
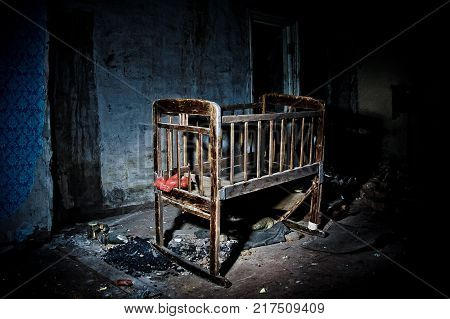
x=294 y=103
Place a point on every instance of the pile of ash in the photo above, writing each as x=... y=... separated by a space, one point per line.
x=137 y=257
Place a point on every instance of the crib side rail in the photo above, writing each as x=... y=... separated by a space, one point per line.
x=275 y=146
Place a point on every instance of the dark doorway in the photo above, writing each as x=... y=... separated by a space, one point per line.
x=275 y=55
x=74 y=115
x=267 y=54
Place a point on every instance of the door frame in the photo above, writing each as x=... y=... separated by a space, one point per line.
x=291 y=49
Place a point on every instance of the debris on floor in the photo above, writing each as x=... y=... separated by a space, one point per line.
x=293 y=236
x=275 y=234
x=195 y=247
x=264 y=223
x=137 y=258
x=366 y=223
x=95 y=230
x=124 y=282
x=113 y=239
x=339 y=192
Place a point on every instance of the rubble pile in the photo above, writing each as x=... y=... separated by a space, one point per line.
x=346 y=195
x=379 y=191
x=137 y=257
x=196 y=249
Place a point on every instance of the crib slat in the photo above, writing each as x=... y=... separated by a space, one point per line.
x=169 y=148
x=282 y=145
x=258 y=151
x=241 y=148
x=185 y=122
x=274 y=147
x=166 y=169
x=301 y=143
x=208 y=160
x=291 y=160
x=232 y=153
x=320 y=139
x=189 y=180
x=245 y=149
x=184 y=149
x=200 y=162
x=311 y=142
x=177 y=145
x=157 y=144
x=270 y=146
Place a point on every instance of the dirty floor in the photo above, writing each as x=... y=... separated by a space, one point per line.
x=372 y=251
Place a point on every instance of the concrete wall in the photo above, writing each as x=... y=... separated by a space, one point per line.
x=154 y=50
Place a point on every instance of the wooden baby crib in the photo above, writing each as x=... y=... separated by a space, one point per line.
x=256 y=146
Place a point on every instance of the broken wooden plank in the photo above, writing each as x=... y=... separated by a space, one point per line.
x=296 y=204
x=218 y=280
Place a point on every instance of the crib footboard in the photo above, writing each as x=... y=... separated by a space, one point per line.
x=181 y=128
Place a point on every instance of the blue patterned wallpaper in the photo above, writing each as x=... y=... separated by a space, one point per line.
x=22 y=102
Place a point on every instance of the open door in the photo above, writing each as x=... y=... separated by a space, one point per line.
x=274 y=55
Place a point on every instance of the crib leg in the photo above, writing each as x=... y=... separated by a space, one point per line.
x=214 y=248
x=159 y=220
x=314 y=220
